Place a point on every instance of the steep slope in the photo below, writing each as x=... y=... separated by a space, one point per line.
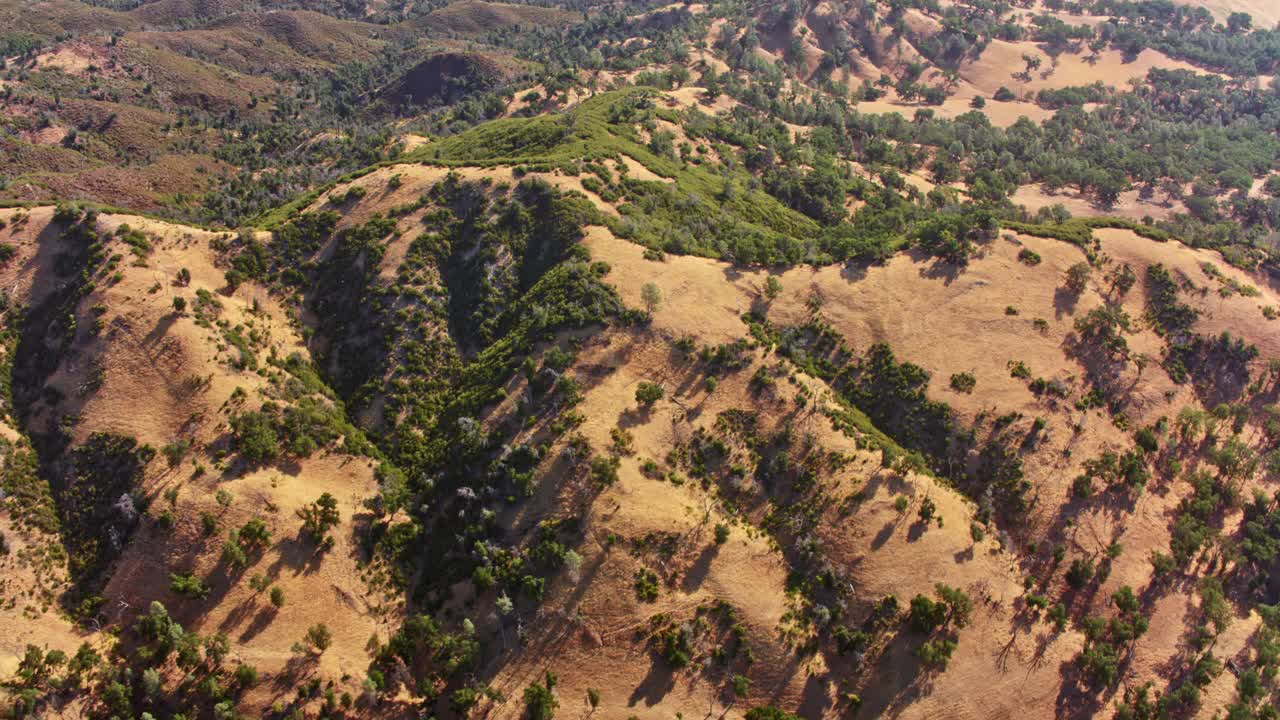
x=127 y=399
x=474 y=17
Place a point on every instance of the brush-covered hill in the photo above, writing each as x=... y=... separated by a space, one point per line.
x=482 y=433
x=215 y=111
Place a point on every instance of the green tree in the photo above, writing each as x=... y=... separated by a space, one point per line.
x=772 y=287
x=188 y=585
x=318 y=517
x=255 y=437
x=1077 y=277
x=318 y=638
x=648 y=393
x=651 y=295
x=540 y=699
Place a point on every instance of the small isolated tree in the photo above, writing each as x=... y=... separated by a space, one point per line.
x=928 y=510
x=245 y=676
x=188 y=585
x=277 y=597
x=1077 y=277
x=255 y=535
x=963 y=382
x=541 y=700
x=772 y=287
x=926 y=615
x=318 y=517
x=651 y=294
x=179 y=305
x=959 y=605
x=648 y=393
x=573 y=563
x=318 y=638
x=232 y=553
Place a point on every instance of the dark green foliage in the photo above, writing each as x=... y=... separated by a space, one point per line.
x=1107 y=642
x=96 y=501
x=953 y=606
x=721 y=533
x=926 y=615
x=646 y=585
x=188 y=585
x=310 y=423
x=255 y=436
x=1189 y=33
x=420 y=642
x=27 y=493
x=1220 y=365
x=818 y=193
x=934 y=654
x=954 y=237
x=1102 y=330
x=648 y=393
x=769 y=712
x=1172 y=317
x=892 y=394
x=318 y=638
x=675 y=646
x=540 y=700
x=319 y=517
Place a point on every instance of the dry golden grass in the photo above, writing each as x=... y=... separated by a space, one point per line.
x=1002 y=60
x=936 y=320
x=1265 y=13
x=585 y=630
x=148 y=357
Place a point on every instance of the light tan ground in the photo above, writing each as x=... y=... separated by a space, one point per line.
x=997 y=65
x=1129 y=205
x=931 y=320
x=147 y=356
x=1265 y=13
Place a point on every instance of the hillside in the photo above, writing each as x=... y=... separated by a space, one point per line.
x=759 y=361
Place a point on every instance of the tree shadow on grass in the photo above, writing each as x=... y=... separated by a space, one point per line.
x=654 y=687
x=1064 y=302
x=697 y=572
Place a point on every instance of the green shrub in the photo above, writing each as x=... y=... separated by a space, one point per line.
x=648 y=393
x=540 y=700
x=963 y=382
x=646 y=585
x=188 y=585
x=255 y=437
